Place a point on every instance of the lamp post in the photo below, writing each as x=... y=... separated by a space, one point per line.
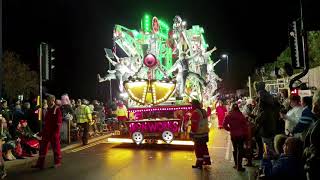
x=225 y=56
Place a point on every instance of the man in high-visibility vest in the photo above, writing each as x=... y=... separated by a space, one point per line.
x=84 y=119
x=200 y=134
x=122 y=114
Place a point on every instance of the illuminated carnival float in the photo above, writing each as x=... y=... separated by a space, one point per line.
x=162 y=69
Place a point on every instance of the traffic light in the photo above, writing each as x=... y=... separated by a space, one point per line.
x=47 y=61
x=296 y=44
x=44 y=58
x=52 y=62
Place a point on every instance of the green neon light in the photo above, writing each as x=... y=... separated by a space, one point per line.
x=163 y=26
x=135 y=33
x=168 y=63
x=146 y=23
x=205 y=45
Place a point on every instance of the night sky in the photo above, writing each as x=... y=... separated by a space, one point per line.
x=252 y=32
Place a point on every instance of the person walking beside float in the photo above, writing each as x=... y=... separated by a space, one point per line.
x=200 y=135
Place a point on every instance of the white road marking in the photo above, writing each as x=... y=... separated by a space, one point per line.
x=227 y=156
x=84 y=147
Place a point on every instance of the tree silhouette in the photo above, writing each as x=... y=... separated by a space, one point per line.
x=285 y=56
x=18 y=79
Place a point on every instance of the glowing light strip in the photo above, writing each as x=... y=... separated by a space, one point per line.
x=168 y=92
x=160 y=109
x=119 y=140
x=137 y=84
x=127 y=140
x=178 y=142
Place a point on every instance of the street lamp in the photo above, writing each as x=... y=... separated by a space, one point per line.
x=225 y=56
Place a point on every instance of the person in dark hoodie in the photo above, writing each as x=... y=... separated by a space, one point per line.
x=237 y=124
x=265 y=121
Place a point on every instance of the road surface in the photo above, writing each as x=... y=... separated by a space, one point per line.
x=103 y=161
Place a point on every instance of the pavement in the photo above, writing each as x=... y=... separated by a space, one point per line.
x=100 y=160
x=64 y=147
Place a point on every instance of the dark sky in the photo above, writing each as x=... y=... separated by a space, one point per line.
x=251 y=32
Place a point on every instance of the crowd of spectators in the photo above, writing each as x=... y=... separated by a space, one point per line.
x=281 y=132
x=21 y=125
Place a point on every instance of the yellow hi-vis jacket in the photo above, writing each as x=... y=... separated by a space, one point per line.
x=83 y=114
x=122 y=111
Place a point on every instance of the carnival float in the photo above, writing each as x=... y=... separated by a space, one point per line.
x=161 y=69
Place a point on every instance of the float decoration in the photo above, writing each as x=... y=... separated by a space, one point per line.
x=159 y=53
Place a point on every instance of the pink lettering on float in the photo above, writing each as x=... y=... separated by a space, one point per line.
x=154 y=127
x=144 y=127
x=160 y=126
x=175 y=127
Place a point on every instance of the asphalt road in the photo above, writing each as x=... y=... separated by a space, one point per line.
x=104 y=161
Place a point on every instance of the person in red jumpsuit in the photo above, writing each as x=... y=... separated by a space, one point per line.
x=221 y=111
x=51 y=134
x=200 y=134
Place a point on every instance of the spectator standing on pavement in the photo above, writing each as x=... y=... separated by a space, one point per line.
x=67 y=117
x=51 y=134
x=84 y=119
x=236 y=123
x=306 y=119
x=200 y=134
x=73 y=104
x=293 y=115
x=312 y=143
x=248 y=114
x=17 y=116
x=265 y=121
x=284 y=99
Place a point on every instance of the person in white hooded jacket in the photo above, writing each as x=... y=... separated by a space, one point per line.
x=293 y=115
